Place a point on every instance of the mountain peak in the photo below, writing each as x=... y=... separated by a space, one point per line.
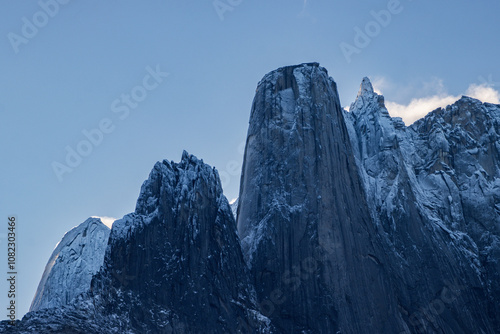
x=296 y=124
x=77 y=257
x=293 y=67
x=365 y=87
x=367 y=101
x=182 y=241
x=284 y=77
x=468 y=99
x=349 y=222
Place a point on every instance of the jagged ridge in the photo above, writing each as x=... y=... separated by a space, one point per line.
x=350 y=222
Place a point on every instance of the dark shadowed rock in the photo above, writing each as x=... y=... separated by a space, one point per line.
x=176 y=263
x=306 y=230
x=173 y=266
x=350 y=222
x=417 y=207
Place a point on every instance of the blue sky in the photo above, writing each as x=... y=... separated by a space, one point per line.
x=156 y=77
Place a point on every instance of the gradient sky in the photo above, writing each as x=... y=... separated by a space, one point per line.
x=77 y=70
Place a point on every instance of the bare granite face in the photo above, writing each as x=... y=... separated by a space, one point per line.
x=74 y=261
x=175 y=264
x=347 y=222
x=418 y=185
x=339 y=227
x=303 y=219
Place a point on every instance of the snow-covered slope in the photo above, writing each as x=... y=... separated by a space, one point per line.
x=433 y=192
x=459 y=171
x=234 y=208
x=76 y=258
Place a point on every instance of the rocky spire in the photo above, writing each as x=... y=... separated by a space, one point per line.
x=302 y=217
x=350 y=222
x=366 y=87
x=367 y=101
x=179 y=256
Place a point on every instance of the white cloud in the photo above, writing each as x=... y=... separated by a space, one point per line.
x=379 y=85
x=108 y=221
x=419 y=107
x=484 y=93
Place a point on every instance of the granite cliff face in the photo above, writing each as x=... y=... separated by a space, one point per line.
x=303 y=218
x=74 y=261
x=420 y=203
x=413 y=187
x=175 y=264
x=346 y=222
x=460 y=173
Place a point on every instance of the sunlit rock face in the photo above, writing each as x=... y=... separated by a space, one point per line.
x=74 y=261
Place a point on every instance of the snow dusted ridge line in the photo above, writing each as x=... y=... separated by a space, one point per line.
x=30 y=28
x=392 y=213
x=347 y=222
x=76 y=258
x=436 y=98
x=182 y=241
x=122 y=107
x=441 y=172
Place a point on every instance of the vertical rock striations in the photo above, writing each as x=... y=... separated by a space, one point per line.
x=175 y=264
x=350 y=223
x=305 y=225
x=412 y=190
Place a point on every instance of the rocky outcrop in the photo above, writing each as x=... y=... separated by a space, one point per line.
x=74 y=261
x=347 y=222
x=460 y=172
x=305 y=225
x=417 y=207
x=338 y=226
x=175 y=264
